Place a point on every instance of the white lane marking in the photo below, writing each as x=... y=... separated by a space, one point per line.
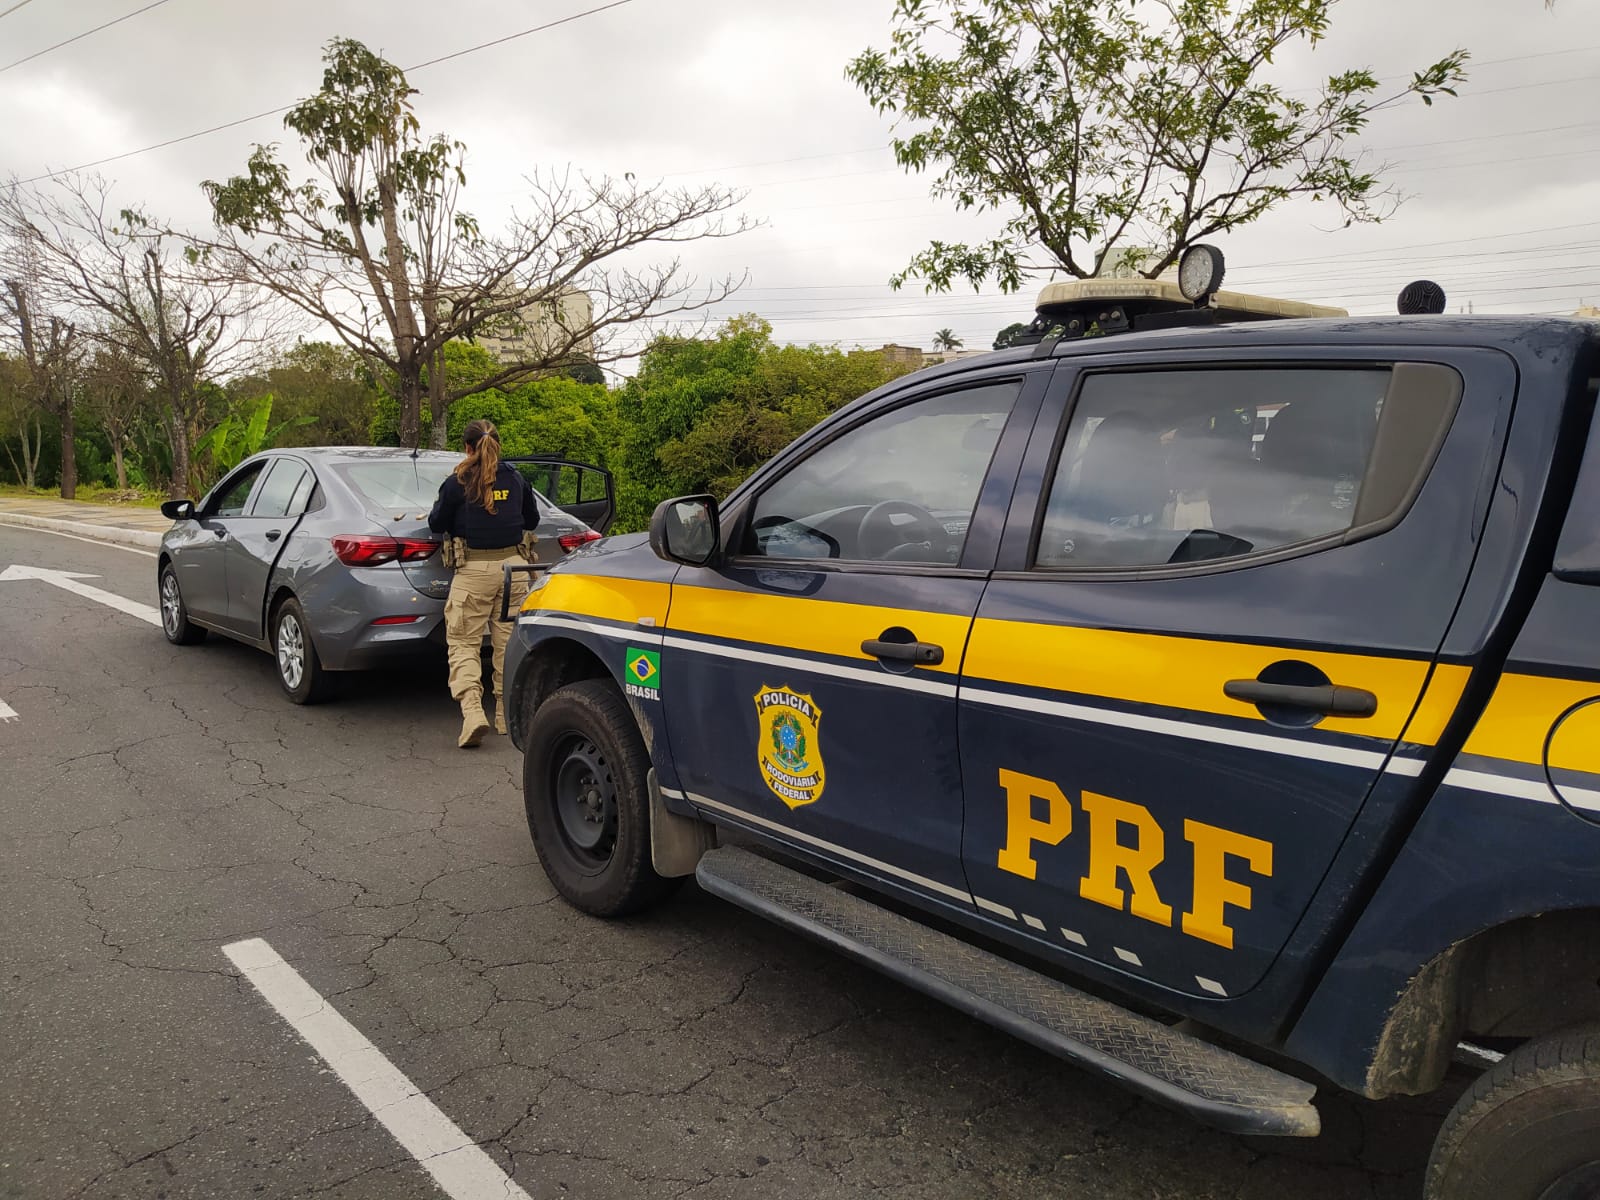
x=69 y=581
x=932 y=885
x=1073 y=936
x=1128 y=956
x=1371 y=759
x=1211 y=985
x=455 y=1161
x=80 y=538
x=7 y=713
x=877 y=675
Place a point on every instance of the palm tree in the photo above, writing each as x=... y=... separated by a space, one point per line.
x=946 y=339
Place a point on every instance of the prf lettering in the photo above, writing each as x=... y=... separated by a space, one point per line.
x=1126 y=844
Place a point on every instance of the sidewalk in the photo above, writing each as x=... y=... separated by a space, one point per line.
x=126 y=525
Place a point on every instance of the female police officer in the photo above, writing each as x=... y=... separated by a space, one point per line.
x=489 y=506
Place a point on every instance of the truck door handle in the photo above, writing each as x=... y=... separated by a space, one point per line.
x=1329 y=699
x=921 y=654
x=274 y=534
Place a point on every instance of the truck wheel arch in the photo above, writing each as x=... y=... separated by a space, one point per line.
x=1526 y=978
x=553 y=665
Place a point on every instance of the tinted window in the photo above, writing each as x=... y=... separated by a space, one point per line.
x=1180 y=466
x=279 y=489
x=230 y=502
x=900 y=487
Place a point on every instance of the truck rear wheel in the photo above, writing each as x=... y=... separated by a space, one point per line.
x=585 y=784
x=1527 y=1130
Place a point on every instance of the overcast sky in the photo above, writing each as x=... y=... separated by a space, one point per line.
x=1503 y=207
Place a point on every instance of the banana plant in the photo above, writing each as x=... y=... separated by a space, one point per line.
x=243 y=433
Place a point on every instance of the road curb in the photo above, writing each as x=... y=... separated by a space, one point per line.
x=143 y=538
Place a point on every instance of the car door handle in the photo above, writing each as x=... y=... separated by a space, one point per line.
x=274 y=534
x=922 y=654
x=1330 y=699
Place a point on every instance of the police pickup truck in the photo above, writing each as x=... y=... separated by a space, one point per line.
x=1216 y=754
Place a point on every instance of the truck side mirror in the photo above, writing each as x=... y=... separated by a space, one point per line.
x=178 y=510
x=687 y=530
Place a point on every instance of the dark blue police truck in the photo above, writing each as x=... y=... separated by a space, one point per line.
x=1246 y=672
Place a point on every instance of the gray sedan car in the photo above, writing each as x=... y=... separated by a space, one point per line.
x=323 y=557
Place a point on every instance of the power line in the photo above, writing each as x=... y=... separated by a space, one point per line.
x=14 y=7
x=79 y=37
x=189 y=137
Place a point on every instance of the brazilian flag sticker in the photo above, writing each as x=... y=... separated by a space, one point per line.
x=642 y=674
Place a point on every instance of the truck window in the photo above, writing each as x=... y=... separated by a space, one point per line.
x=898 y=487
x=1167 y=468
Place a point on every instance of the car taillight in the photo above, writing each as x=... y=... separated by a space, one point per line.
x=416 y=549
x=360 y=550
x=571 y=541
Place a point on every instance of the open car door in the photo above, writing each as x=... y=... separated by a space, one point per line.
x=581 y=489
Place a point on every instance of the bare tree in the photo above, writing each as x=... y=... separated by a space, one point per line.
x=379 y=250
x=18 y=412
x=137 y=282
x=49 y=349
x=117 y=392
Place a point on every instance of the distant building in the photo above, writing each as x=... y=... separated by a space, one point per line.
x=903 y=356
x=1588 y=312
x=541 y=327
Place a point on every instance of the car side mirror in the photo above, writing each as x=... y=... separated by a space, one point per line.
x=178 y=510
x=687 y=530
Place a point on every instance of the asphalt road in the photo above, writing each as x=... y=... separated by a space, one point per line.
x=158 y=803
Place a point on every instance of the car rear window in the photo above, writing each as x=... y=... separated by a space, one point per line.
x=405 y=484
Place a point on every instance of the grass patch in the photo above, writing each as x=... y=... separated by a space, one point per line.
x=88 y=493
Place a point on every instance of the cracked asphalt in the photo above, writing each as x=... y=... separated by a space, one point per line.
x=158 y=802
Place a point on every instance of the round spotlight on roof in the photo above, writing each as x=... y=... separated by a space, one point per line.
x=1424 y=296
x=1200 y=272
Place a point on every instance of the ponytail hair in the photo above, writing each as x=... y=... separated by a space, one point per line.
x=478 y=469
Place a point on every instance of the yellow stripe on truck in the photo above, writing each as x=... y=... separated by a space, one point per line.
x=817 y=626
x=626 y=600
x=1189 y=673
x=1521 y=713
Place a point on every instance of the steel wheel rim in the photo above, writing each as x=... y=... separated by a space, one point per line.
x=171 y=605
x=585 y=794
x=291 y=651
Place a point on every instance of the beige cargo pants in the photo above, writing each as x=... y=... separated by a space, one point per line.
x=475 y=602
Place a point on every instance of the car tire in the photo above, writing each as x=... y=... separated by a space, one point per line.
x=585 y=784
x=300 y=672
x=175 y=621
x=1529 y=1129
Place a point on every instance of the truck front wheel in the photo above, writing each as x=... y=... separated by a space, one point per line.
x=585 y=782
x=1527 y=1130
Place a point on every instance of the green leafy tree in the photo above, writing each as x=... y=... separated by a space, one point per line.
x=329 y=384
x=378 y=249
x=1087 y=124
x=701 y=415
x=946 y=339
x=1009 y=335
x=242 y=433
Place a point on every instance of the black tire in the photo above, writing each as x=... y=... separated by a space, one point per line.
x=294 y=656
x=175 y=621
x=1527 y=1130
x=585 y=775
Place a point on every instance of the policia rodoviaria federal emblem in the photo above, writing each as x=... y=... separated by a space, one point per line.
x=788 y=746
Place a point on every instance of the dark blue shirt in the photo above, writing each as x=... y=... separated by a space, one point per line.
x=515 y=510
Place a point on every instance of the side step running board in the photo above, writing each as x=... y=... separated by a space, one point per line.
x=1217 y=1086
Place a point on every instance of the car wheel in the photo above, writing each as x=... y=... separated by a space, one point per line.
x=174 y=616
x=299 y=669
x=1529 y=1129
x=584 y=783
